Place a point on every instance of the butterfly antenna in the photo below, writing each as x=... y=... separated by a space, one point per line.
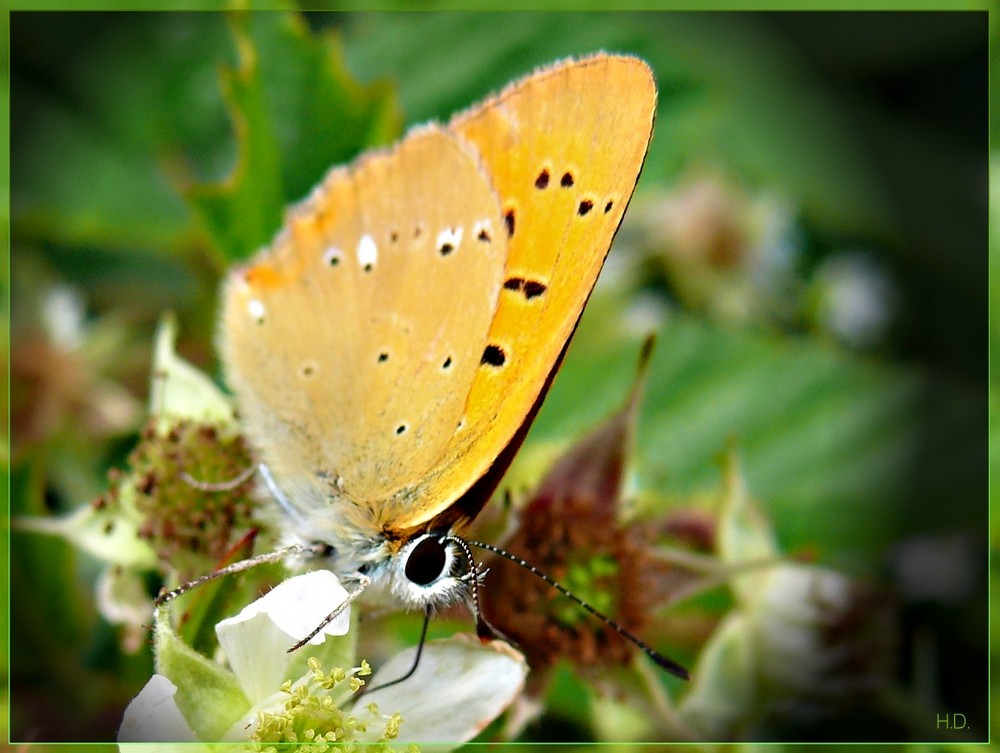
x=484 y=630
x=279 y=496
x=659 y=659
x=416 y=659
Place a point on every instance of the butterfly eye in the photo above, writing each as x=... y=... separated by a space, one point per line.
x=426 y=561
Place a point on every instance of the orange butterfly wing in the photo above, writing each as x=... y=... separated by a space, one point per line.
x=563 y=148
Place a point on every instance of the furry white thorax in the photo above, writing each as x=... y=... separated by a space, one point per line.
x=357 y=555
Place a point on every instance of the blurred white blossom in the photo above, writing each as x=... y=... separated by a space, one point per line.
x=854 y=299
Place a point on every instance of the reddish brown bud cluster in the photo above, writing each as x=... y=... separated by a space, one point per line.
x=190 y=528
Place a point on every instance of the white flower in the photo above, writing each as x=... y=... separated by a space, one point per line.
x=776 y=644
x=64 y=315
x=269 y=695
x=727 y=251
x=789 y=617
x=856 y=299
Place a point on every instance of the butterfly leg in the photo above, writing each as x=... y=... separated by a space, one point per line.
x=363 y=581
x=238 y=567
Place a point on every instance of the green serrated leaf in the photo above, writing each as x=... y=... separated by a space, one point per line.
x=296 y=112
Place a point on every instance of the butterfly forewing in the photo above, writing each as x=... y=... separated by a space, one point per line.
x=563 y=148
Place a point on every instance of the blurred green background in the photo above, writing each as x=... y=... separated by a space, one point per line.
x=823 y=152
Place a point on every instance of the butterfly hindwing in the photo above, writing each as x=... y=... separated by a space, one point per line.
x=354 y=339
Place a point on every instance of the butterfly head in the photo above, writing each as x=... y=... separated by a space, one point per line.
x=429 y=571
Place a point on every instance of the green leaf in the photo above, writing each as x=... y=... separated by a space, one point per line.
x=94 y=138
x=296 y=112
x=207 y=604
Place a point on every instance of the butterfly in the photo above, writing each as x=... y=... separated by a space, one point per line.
x=390 y=348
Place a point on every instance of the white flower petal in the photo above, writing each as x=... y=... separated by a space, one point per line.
x=153 y=716
x=459 y=687
x=257 y=653
x=299 y=604
x=256 y=641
